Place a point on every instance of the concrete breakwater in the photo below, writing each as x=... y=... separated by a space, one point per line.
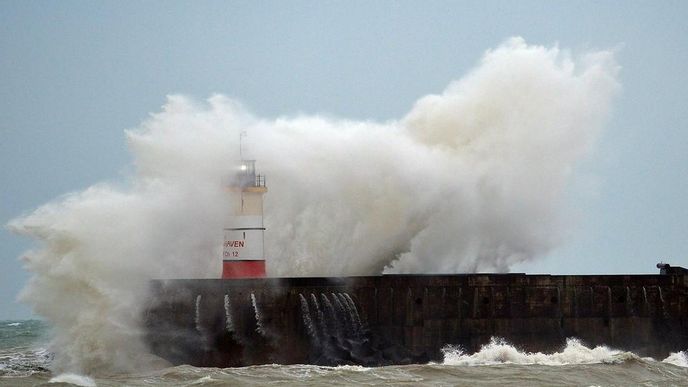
x=399 y=319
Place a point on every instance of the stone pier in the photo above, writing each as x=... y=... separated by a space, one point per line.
x=409 y=318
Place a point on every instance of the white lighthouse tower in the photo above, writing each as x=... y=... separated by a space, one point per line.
x=242 y=252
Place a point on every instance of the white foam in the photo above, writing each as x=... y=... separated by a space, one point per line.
x=79 y=380
x=204 y=380
x=677 y=358
x=16 y=324
x=499 y=351
x=353 y=368
x=24 y=361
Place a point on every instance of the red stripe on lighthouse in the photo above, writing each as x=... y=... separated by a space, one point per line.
x=243 y=269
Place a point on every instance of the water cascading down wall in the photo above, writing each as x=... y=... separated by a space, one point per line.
x=401 y=319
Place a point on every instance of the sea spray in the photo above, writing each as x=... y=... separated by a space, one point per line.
x=678 y=359
x=499 y=351
x=486 y=160
x=477 y=161
x=73 y=379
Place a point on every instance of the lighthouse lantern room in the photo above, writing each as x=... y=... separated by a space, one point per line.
x=242 y=252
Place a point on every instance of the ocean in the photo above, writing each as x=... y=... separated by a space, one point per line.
x=25 y=361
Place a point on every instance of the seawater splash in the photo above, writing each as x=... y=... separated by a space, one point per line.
x=259 y=320
x=678 y=359
x=498 y=351
x=229 y=323
x=73 y=379
x=467 y=161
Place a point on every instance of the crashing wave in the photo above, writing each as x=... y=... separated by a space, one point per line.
x=499 y=351
x=74 y=379
x=677 y=358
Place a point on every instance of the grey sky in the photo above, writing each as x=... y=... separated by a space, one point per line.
x=74 y=75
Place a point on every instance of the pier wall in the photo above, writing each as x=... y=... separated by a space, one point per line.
x=409 y=318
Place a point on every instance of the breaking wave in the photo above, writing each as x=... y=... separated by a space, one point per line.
x=678 y=359
x=73 y=379
x=486 y=161
x=498 y=351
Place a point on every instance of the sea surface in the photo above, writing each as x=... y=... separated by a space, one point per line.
x=25 y=361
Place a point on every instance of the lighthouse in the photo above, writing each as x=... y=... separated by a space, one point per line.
x=242 y=252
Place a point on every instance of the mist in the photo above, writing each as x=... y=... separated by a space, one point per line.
x=470 y=179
